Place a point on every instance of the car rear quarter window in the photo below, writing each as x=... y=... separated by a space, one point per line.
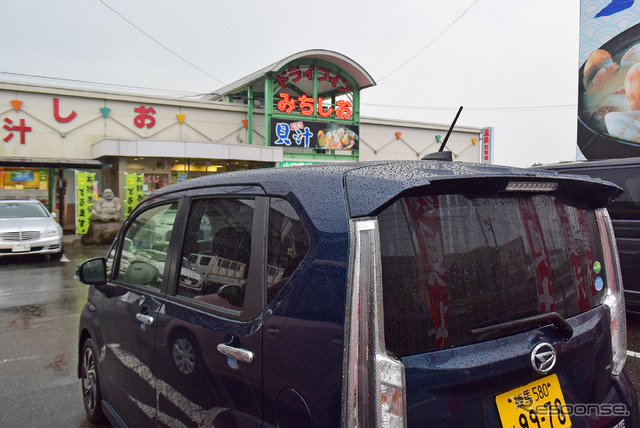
x=288 y=244
x=454 y=263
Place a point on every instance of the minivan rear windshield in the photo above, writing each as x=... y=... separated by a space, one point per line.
x=455 y=263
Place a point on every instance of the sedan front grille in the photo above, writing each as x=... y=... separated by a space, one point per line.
x=23 y=236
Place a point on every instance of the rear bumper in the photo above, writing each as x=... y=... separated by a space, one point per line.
x=626 y=394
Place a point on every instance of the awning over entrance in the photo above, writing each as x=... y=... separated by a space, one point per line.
x=181 y=149
x=52 y=163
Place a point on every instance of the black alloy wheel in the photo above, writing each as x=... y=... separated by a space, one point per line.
x=90 y=382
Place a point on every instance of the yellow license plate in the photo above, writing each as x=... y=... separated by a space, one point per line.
x=539 y=404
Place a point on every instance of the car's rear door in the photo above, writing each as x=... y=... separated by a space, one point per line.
x=209 y=348
x=493 y=303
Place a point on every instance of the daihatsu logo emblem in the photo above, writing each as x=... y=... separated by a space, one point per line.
x=543 y=358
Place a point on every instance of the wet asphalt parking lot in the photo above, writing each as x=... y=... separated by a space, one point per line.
x=40 y=304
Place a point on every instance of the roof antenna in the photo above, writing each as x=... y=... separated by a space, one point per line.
x=441 y=154
x=444 y=143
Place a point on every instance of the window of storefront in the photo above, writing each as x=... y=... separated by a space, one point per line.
x=183 y=169
x=25 y=183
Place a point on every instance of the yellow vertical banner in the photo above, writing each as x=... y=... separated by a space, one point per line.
x=84 y=200
x=134 y=190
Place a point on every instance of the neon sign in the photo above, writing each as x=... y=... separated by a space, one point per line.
x=307 y=106
x=296 y=73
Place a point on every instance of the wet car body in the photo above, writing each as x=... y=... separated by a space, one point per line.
x=308 y=349
x=27 y=227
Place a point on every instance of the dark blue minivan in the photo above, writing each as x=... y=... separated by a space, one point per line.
x=387 y=294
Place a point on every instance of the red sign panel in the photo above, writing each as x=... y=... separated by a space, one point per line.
x=487 y=145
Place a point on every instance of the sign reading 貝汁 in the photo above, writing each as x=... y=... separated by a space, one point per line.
x=314 y=135
x=609 y=79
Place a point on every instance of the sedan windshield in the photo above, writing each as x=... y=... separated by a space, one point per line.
x=21 y=210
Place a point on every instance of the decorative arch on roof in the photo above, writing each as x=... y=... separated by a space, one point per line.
x=311 y=101
x=358 y=75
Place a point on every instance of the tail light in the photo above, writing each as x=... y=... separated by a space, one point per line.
x=374 y=393
x=614 y=297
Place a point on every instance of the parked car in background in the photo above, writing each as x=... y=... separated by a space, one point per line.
x=376 y=294
x=624 y=212
x=27 y=227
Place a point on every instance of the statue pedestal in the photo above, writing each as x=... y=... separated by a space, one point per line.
x=101 y=233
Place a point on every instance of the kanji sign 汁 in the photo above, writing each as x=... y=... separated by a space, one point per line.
x=22 y=128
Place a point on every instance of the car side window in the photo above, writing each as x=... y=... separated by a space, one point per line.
x=216 y=252
x=288 y=244
x=145 y=246
x=111 y=257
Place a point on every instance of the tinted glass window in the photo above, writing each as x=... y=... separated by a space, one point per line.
x=287 y=245
x=216 y=252
x=627 y=205
x=145 y=246
x=451 y=264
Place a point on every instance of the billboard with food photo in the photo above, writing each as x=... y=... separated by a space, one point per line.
x=609 y=79
x=313 y=135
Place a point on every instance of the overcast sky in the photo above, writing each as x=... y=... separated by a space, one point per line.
x=512 y=64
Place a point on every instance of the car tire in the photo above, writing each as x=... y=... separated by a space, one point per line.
x=90 y=381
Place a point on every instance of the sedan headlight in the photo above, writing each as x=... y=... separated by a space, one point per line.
x=55 y=232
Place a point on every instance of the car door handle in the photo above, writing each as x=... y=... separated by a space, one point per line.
x=146 y=319
x=239 y=354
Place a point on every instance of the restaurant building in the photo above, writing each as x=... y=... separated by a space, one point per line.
x=302 y=109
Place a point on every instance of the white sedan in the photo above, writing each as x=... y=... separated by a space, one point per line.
x=27 y=227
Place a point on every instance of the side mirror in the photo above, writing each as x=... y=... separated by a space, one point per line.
x=93 y=272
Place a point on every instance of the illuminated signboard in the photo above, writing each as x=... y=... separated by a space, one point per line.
x=307 y=106
x=313 y=135
x=296 y=73
x=609 y=79
x=313 y=108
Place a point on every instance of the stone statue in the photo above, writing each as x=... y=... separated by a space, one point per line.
x=107 y=207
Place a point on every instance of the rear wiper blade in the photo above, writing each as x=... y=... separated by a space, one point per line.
x=566 y=331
